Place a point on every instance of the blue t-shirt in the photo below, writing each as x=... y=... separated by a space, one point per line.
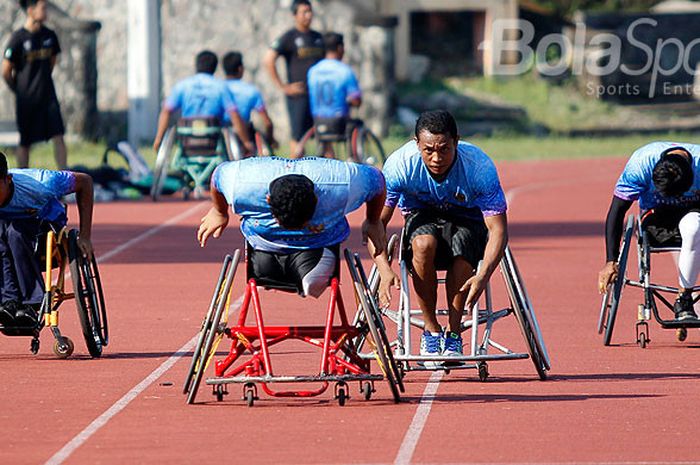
x=331 y=84
x=37 y=194
x=470 y=190
x=247 y=98
x=201 y=95
x=340 y=188
x=636 y=182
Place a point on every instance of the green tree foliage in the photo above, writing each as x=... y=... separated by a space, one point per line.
x=565 y=8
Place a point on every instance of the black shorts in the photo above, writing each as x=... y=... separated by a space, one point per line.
x=300 y=118
x=661 y=225
x=457 y=237
x=38 y=122
x=331 y=129
x=307 y=272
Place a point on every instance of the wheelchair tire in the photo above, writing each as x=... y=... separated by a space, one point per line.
x=201 y=358
x=262 y=146
x=89 y=298
x=206 y=324
x=366 y=148
x=616 y=289
x=160 y=171
x=307 y=142
x=522 y=307
x=375 y=326
x=234 y=151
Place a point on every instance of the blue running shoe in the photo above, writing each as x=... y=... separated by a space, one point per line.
x=452 y=344
x=430 y=345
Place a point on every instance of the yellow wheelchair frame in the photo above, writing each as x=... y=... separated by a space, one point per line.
x=62 y=253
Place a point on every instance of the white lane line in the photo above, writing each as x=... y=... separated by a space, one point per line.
x=82 y=437
x=60 y=456
x=149 y=233
x=410 y=440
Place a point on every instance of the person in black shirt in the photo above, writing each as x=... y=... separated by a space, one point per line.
x=301 y=48
x=29 y=59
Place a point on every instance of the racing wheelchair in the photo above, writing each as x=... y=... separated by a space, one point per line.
x=647 y=247
x=192 y=150
x=357 y=144
x=61 y=253
x=249 y=362
x=480 y=316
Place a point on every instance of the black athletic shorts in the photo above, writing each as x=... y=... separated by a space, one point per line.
x=307 y=272
x=331 y=129
x=661 y=225
x=457 y=237
x=39 y=122
x=300 y=118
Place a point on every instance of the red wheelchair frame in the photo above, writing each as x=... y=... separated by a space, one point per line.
x=340 y=363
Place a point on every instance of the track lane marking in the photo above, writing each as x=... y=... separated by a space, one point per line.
x=415 y=429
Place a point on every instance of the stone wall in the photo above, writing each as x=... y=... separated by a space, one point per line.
x=222 y=25
x=75 y=76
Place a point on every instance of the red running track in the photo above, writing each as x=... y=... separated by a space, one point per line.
x=618 y=404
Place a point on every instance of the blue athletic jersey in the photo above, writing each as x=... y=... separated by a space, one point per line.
x=340 y=188
x=331 y=84
x=37 y=194
x=201 y=95
x=247 y=98
x=471 y=189
x=636 y=182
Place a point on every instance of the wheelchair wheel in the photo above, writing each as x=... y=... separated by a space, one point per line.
x=375 y=326
x=89 y=298
x=611 y=299
x=525 y=315
x=366 y=147
x=311 y=146
x=206 y=323
x=201 y=357
x=262 y=146
x=160 y=171
x=234 y=151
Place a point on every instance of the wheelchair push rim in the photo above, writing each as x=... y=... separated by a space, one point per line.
x=89 y=297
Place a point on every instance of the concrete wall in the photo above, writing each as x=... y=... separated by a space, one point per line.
x=221 y=25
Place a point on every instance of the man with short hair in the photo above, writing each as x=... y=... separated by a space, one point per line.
x=293 y=215
x=202 y=96
x=246 y=96
x=333 y=88
x=30 y=205
x=455 y=216
x=301 y=48
x=29 y=60
x=663 y=177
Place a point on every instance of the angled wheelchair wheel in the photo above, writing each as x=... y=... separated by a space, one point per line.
x=160 y=171
x=89 y=298
x=308 y=145
x=366 y=148
x=234 y=151
x=211 y=333
x=375 y=326
x=524 y=313
x=262 y=146
x=207 y=322
x=611 y=298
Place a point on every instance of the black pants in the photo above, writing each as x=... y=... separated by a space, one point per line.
x=21 y=279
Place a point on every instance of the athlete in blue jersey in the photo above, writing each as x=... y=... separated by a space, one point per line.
x=333 y=88
x=30 y=204
x=293 y=214
x=202 y=96
x=663 y=178
x=455 y=213
x=247 y=97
